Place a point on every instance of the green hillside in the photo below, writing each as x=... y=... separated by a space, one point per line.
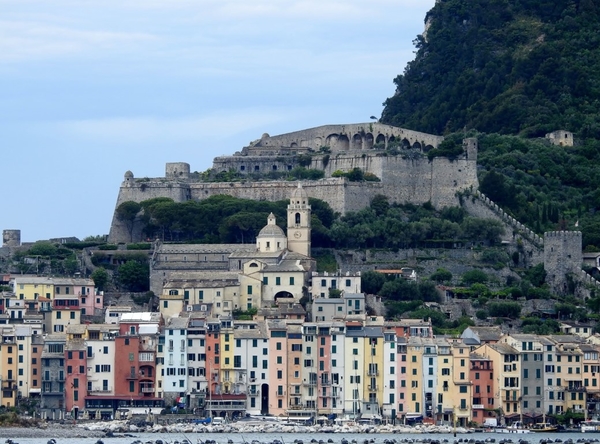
x=523 y=67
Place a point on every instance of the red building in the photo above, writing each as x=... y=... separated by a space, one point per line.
x=482 y=376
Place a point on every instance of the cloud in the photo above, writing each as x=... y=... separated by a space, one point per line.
x=27 y=40
x=134 y=130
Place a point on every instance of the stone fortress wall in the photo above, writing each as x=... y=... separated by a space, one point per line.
x=406 y=177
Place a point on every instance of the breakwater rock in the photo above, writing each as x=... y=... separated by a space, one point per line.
x=258 y=426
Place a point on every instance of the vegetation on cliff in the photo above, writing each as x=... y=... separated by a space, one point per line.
x=544 y=186
x=225 y=219
x=523 y=67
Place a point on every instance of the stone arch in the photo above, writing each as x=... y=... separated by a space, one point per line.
x=416 y=146
x=369 y=141
x=357 y=142
x=293 y=145
x=284 y=295
x=331 y=140
x=391 y=141
x=342 y=143
x=427 y=148
x=405 y=144
x=380 y=139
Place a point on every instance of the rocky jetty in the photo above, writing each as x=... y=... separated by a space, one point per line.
x=249 y=427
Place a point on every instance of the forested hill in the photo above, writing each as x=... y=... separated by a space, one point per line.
x=523 y=67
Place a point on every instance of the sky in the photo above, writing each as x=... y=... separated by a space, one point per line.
x=90 y=89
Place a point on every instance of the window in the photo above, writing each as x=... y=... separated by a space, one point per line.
x=291 y=280
x=249 y=289
x=277 y=281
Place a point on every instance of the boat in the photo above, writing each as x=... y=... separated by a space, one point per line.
x=590 y=426
x=544 y=427
x=515 y=427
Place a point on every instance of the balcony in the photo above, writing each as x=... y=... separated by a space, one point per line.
x=373 y=373
x=132 y=376
x=147 y=389
x=100 y=390
x=373 y=388
x=478 y=406
x=578 y=389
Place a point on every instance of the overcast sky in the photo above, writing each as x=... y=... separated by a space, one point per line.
x=90 y=89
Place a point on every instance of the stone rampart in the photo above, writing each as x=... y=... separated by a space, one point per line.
x=358 y=136
x=406 y=177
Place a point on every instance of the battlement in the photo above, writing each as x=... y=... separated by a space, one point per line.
x=562 y=234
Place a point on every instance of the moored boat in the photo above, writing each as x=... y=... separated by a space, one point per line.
x=590 y=426
x=544 y=427
x=515 y=427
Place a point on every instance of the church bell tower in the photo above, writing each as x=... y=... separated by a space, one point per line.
x=298 y=222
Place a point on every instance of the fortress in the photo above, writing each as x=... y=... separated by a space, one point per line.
x=396 y=156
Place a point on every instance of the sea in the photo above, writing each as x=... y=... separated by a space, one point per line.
x=336 y=438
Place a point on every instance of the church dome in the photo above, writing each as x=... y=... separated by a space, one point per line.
x=271 y=229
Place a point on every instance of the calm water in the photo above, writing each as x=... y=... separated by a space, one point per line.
x=288 y=438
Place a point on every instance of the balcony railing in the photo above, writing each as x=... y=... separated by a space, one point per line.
x=147 y=389
x=478 y=406
x=373 y=388
x=100 y=390
x=373 y=373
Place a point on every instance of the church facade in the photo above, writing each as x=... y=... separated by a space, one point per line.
x=219 y=279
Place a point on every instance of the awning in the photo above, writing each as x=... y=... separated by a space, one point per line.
x=35 y=391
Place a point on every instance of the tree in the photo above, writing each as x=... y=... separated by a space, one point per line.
x=71 y=265
x=371 y=282
x=474 y=276
x=510 y=310
x=134 y=276
x=100 y=278
x=43 y=248
x=126 y=213
x=441 y=275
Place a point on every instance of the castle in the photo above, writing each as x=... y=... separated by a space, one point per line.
x=396 y=156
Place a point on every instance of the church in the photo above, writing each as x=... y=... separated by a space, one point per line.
x=220 y=278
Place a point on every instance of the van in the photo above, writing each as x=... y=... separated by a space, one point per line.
x=218 y=420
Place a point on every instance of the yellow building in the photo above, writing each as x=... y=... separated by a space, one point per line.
x=414 y=377
x=569 y=375
x=9 y=356
x=445 y=403
x=30 y=288
x=591 y=377
x=227 y=346
x=461 y=389
x=507 y=370
x=374 y=370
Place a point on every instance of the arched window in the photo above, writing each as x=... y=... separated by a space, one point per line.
x=297 y=218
